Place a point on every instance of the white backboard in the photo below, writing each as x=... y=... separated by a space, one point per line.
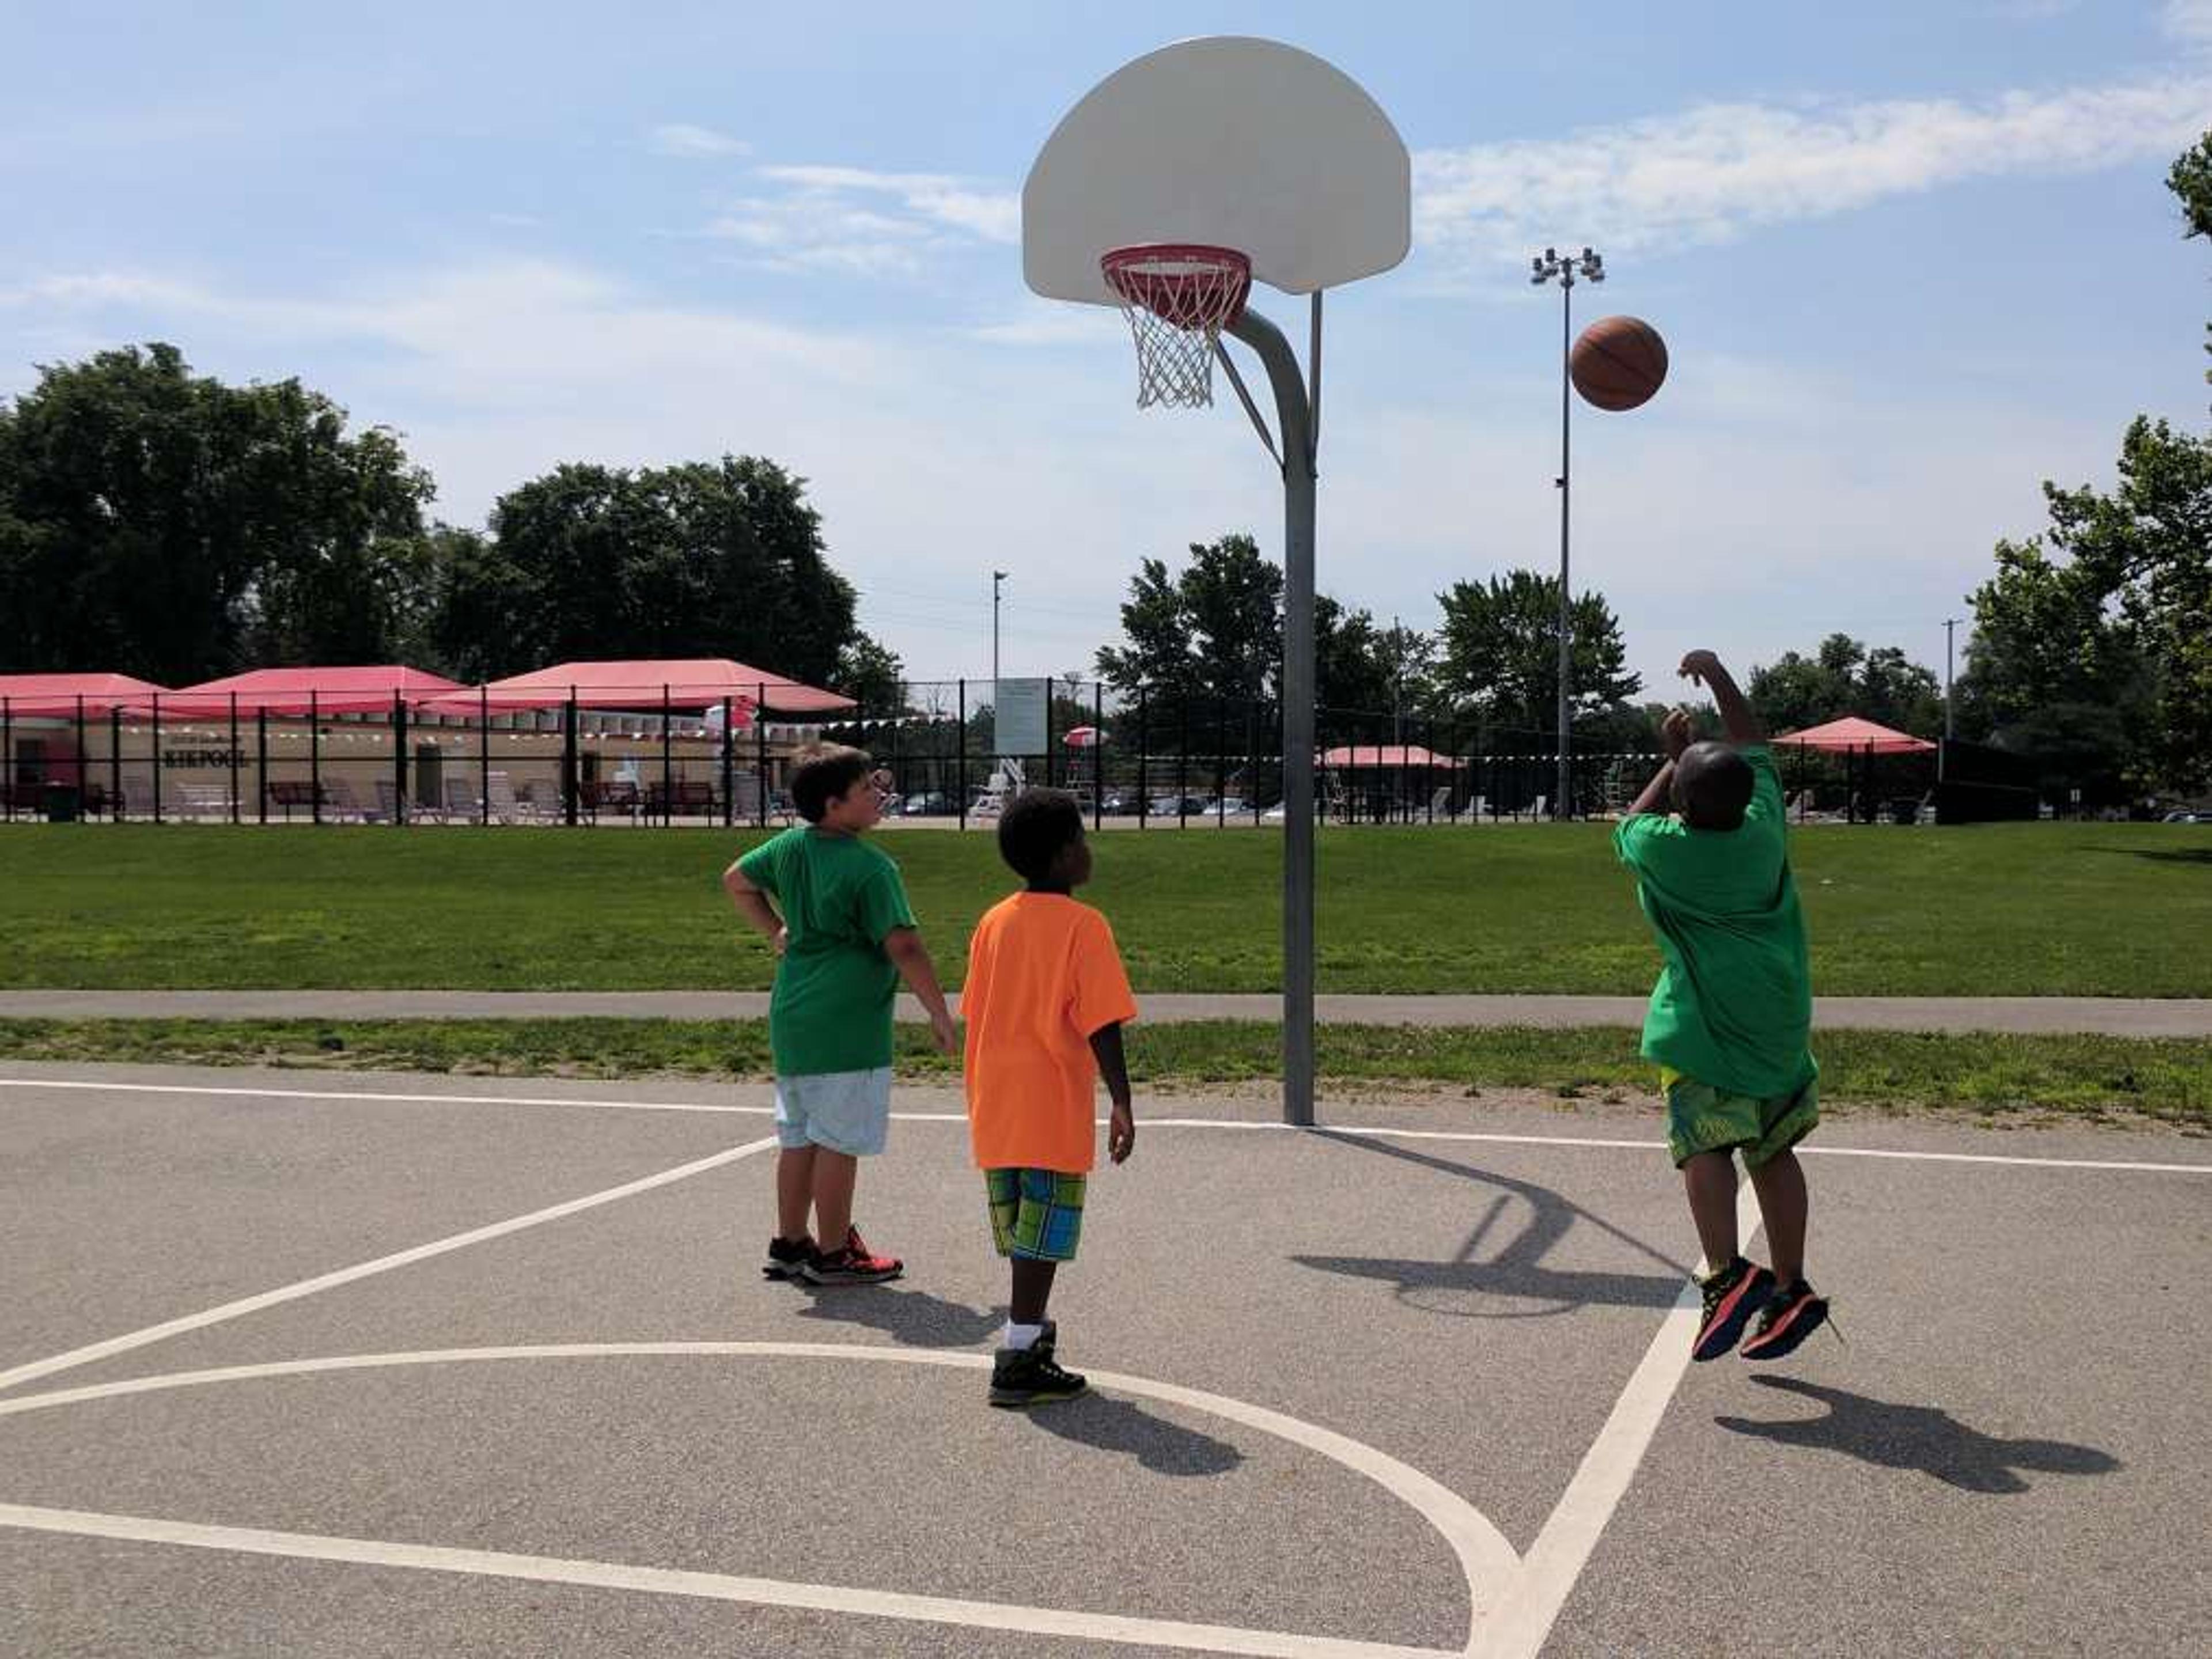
x=1235 y=141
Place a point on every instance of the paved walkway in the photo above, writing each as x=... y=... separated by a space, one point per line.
x=2140 y=1017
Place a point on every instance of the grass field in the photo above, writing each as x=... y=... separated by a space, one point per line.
x=2018 y=909
x=2167 y=1080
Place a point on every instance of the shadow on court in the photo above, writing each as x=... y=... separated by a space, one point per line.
x=1923 y=1437
x=1111 y=1423
x=915 y=1317
x=1511 y=1281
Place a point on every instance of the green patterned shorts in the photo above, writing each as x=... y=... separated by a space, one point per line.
x=1701 y=1119
x=1036 y=1214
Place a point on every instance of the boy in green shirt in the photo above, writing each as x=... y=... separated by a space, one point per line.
x=844 y=939
x=1731 y=1017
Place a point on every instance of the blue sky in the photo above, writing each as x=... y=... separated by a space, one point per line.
x=1909 y=262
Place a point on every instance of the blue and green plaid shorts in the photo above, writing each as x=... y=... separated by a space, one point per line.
x=1036 y=1214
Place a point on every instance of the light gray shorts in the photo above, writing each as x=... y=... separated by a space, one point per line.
x=848 y=1112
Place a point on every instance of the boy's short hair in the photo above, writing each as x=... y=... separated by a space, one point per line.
x=825 y=771
x=1712 y=785
x=1036 y=826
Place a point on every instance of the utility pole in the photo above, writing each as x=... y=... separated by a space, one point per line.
x=1549 y=267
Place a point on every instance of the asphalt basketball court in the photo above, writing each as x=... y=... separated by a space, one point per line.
x=341 y=1364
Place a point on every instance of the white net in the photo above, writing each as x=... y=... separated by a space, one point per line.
x=1177 y=300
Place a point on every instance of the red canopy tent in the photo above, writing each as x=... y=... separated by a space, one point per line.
x=55 y=696
x=645 y=685
x=297 y=691
x=1852 y=734
x=1409 y=755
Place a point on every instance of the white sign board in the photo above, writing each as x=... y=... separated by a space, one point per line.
x=1017 y=722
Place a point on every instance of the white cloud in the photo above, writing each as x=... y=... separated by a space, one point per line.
x=1708 y=174
x=681 y=139
x=863 y=223
x=935 y=198
x=2188 y=20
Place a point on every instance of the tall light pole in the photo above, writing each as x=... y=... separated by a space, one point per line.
x=997 y=577
x=1547 y=267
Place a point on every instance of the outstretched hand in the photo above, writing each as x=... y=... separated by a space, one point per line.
x=1677 y=731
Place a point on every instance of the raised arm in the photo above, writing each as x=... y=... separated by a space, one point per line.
x=1676 y=734
x=1737 y=720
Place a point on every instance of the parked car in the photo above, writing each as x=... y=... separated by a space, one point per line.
x=1119 y=803
x=1171 y=807
x=2188 y=818
x=929 y=804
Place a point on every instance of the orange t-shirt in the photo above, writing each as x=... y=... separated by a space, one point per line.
x=1043 y=975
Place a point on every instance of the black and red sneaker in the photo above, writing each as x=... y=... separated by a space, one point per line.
x=1731 y=1295
x=1792 y=1313
x=787 y=1258
x=852 y=1263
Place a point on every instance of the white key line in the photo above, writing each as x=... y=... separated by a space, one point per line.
x=124 y=1344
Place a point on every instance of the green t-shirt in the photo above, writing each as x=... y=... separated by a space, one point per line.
x=840 y=898
x=1734 y=1004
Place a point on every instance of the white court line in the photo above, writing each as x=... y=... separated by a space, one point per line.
x=115 y=1344
x=1488 y=1561
x=710 y=1586
x=1555 y=1561
x=1378 y=1131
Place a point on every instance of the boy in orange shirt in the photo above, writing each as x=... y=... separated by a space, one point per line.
x=1044 y=1002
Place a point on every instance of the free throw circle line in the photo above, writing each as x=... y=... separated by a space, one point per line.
x=1488 y=1561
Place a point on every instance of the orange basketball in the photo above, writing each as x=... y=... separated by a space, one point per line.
x=1619 y=362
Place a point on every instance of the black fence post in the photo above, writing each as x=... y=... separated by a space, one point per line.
x=8 y=760
x=729 y=763
x=668 y=761
x=1144 y=755
x=234 y=757
x=1098 y=754
x=960 y=773
x=153 y=752
x=571 y=778
x=1222 y=764
x=114 y=756
x=483 y=755
x=1182 y=765
x=314 y=755
x=399 y=760
x=760 y=749
x=261 y=761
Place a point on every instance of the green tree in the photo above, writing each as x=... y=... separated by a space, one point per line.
x=1211 y=634
x=2112 y=607
x=721 y=559
x=159 y=521
x=1499 y=654
x=871 y=673
x=1843 y=677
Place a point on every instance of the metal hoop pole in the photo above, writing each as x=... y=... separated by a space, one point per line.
x=1293 y=420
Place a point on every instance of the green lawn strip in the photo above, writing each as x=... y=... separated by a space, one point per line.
x=1999 y=909
x=2166 y=1079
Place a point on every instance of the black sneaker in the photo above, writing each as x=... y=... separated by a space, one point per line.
x=1792 y=1313
x=1732 y=1296
x=852 y=1263
x=787 y=1258
x=1031 y=1376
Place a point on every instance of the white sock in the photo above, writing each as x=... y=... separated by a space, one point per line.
x=1022 y=1336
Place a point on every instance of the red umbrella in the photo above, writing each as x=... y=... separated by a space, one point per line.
x=1081 y=737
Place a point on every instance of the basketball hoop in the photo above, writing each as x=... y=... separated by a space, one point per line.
x=1178 y=296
